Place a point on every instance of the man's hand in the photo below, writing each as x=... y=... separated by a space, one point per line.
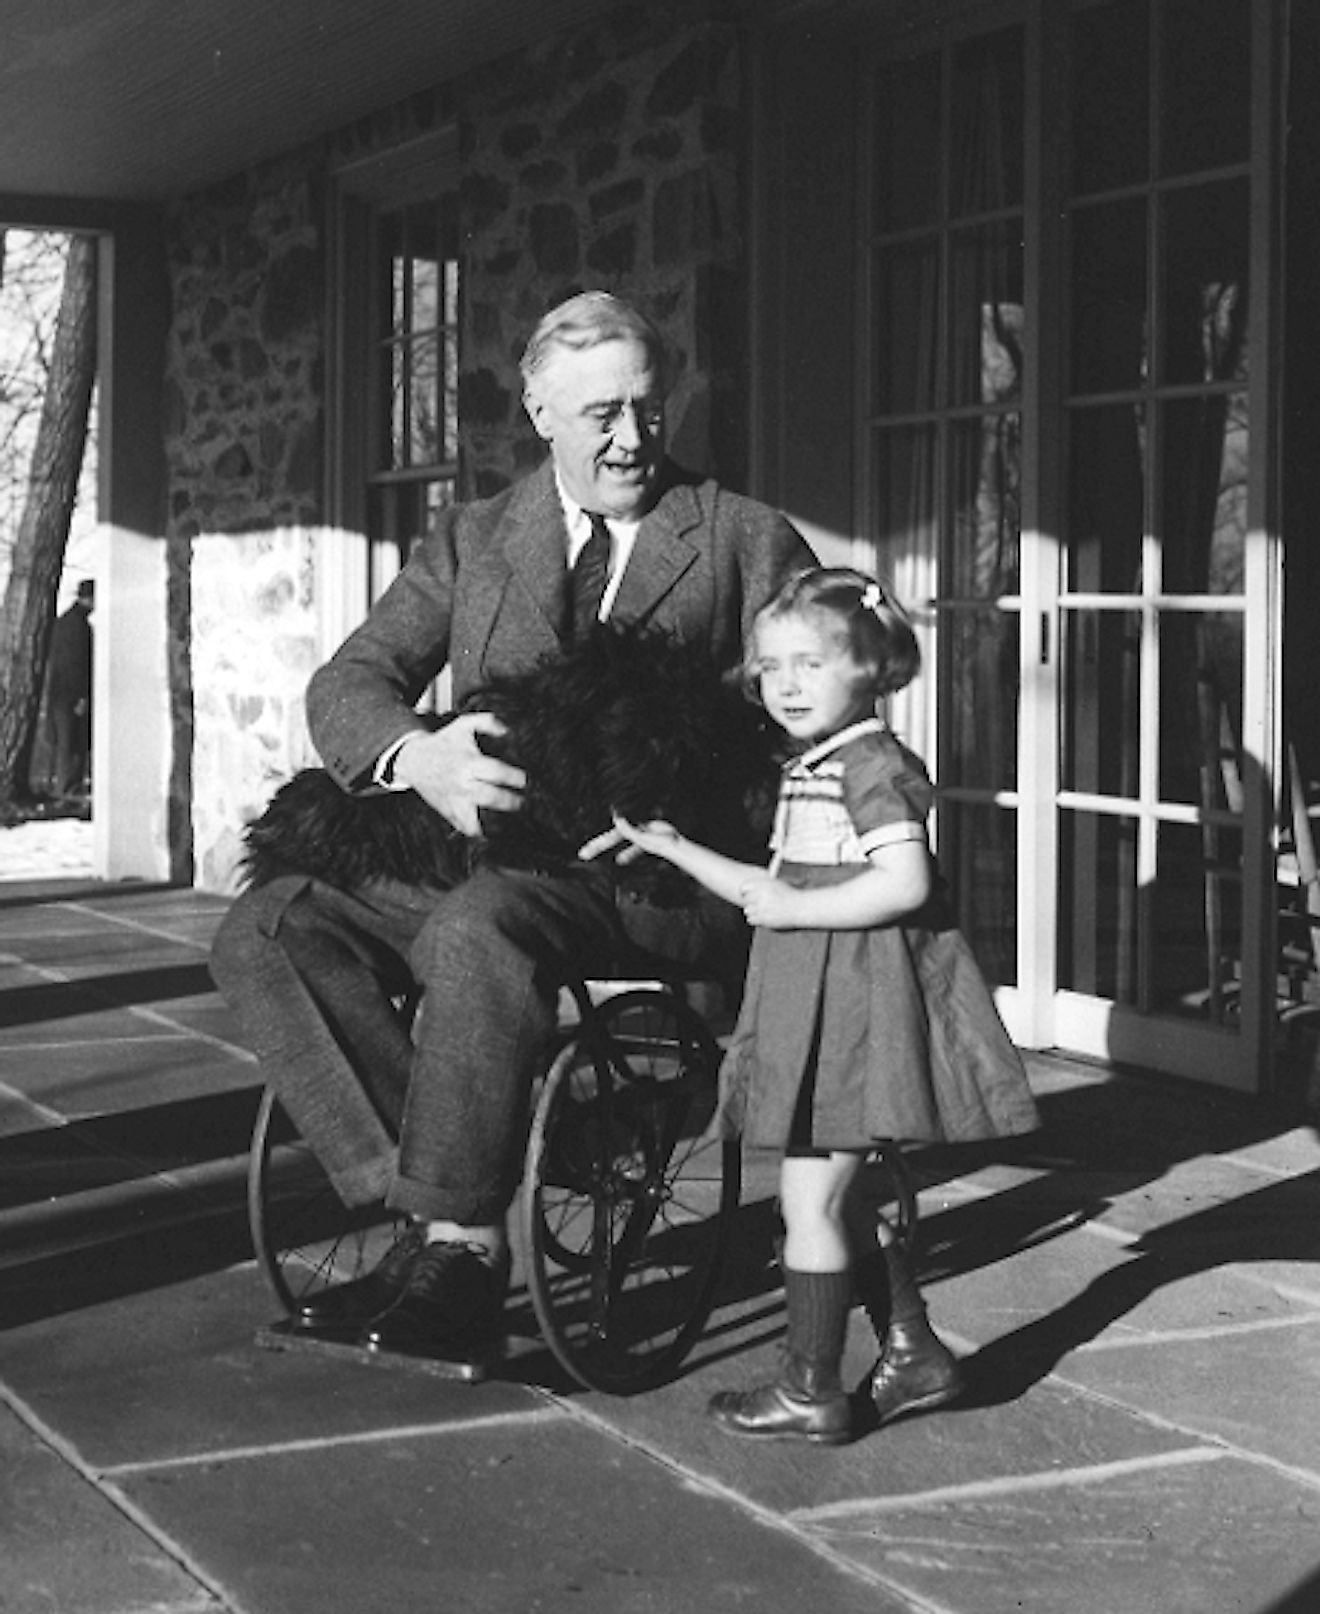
x=450 y=771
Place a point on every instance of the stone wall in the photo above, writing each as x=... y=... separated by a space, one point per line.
x=607 y=159
x=244 y=444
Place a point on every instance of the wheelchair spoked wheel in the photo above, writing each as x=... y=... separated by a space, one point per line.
x=899 y=1204
x=627 y=1207
x=304 y=1236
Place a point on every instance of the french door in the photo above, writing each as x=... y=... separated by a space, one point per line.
x=1068 y=448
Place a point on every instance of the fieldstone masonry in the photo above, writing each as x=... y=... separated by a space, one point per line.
x=608 y=158
x=244 y=445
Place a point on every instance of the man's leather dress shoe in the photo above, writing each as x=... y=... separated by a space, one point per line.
x=344 y=1309
x=802 y=1404
x=916 y=1372
x=451 y=1308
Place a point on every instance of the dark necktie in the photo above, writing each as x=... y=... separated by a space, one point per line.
x=587 y=580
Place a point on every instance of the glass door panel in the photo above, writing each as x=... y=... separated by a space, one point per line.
x=1100 y=655
x=1203 y=324
x=907 y=115
x=1204 y=52
x=1083 y=541
x=1107 y=328
x=1109 y=93
x=1153 y=564
x=1097 y=906
x=906 y=281
x=985 y=315
x=979 y=860
x=944 y=442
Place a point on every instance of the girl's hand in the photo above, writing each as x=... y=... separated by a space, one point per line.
x=769 y=902
x=655 y=836
x=609 y=840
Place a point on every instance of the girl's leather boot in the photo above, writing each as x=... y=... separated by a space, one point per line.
x=917 y=1371
x=807 y=1400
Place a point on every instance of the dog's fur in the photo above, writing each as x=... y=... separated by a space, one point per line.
x=626 y=719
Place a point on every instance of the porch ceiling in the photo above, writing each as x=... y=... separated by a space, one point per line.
x=140 y=100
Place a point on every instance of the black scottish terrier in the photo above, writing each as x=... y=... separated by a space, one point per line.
x=626 y=719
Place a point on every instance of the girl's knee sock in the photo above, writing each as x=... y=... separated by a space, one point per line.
x=818 y=1306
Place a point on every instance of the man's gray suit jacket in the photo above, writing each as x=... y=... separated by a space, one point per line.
x=483 y=594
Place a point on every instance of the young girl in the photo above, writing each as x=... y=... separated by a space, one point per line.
x=865 y=1016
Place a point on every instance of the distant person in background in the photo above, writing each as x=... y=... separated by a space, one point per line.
x=69 y=698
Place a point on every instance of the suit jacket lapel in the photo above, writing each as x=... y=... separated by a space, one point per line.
x=661 y=554
x=536 y=543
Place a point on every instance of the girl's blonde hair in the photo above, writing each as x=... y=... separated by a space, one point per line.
x=854 y=611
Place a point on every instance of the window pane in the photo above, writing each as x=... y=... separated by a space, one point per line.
x=418 y=247
x=985 y=295
x=449 y=398
x=1204 y=494
x=986 y=475
x=1110 y=95
x=1200 y=705
x=906 y=304
x=399 y=401
x=449 y=312
x=978 y=858
x=985 y=170
x=424 y=438
x=425 y=294
x=1194 y=913
x=1108 y=321
x=904 y=496
x=1205 y=84
x=1105 y=503
x=1101 y=666
x=1098 y=905
x=1204 y=306
x=978 y=724
x=907 y=129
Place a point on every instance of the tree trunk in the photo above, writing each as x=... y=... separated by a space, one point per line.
x=28 y=607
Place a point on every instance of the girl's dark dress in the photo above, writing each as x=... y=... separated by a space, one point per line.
x=894 y=1026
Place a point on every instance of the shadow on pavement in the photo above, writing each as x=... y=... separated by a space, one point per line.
x=65 y=1000
x=1277 y=1223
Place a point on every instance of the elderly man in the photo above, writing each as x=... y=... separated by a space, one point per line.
x=607 y=528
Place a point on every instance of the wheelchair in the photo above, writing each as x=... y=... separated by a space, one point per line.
x=627 y=1205
x=626 y=1208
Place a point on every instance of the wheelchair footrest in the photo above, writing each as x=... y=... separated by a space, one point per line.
x=280 y=1336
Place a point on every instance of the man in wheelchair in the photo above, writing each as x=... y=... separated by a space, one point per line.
x=315 y=954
